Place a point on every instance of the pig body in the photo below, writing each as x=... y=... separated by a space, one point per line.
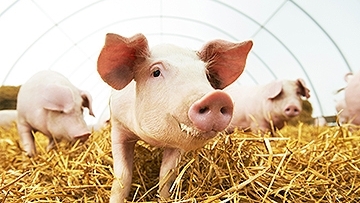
x=103 y=121
x=343 y=114
x=262 y=107
x=7 y=118
x=166 y=97
x=340 y=106
x=352 y=101
x=49 y=103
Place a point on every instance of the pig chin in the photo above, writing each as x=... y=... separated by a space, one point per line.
x=195 y=133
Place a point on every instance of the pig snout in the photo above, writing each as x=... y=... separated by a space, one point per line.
x=292 y=111
x=213 y=112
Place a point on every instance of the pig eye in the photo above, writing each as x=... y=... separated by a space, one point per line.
x=156 y=73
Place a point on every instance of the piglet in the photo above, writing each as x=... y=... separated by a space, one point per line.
x=7 y=118
x=343 y=113
x=261 y=107
x=49 y=103
x=168 y=96
x=352 y=99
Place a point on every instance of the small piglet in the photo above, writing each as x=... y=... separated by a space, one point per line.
x=7 y=118
x=170 y=97
x=352 y=99
x=49 y=103
x=256 y=107
x=344 y=115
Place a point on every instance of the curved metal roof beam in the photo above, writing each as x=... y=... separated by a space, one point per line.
x=8 y=8
x=42 y=35
x=277 y=39
x=184 y=36
x=326 y=33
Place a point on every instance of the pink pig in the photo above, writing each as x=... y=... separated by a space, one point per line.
x=255 y=107
x=341 y=106
x=167 y=99
x=352 y=101
x=49 y=103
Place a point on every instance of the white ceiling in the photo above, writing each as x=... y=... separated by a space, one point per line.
x=315 y=40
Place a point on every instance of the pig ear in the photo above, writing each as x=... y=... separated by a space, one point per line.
x=57 y=98
x=273 y=89
x=304 y=91
x=118 y=58
x=87 y=101
x=348 y=77
x=225 y=61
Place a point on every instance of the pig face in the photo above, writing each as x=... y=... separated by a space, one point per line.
x=285 y=98
x=64 y=112
x=175 y=88
x=171 y=78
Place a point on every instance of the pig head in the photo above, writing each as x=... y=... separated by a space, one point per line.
x=49 y=103
x=263 y=107
x=169 y=97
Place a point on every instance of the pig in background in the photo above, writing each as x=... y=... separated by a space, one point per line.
x=173 y=103
x=343 y=113
x=49 y=103
x=350 y=105
x=266 y=107
x=8 y=119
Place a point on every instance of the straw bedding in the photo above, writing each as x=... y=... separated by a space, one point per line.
x=300 y=163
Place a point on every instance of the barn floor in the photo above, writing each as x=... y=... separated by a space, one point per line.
x=299 y=164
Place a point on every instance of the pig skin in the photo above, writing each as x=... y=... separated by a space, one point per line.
x=352 y=101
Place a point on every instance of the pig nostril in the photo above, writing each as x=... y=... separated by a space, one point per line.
x=204 y=110
x=224 y=110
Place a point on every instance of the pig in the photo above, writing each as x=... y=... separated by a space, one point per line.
x=7 y=118
x=342 y=111
x=340 y=106
x=352 y=101
x=49 y=103
x=265 y=107
x=169 y=97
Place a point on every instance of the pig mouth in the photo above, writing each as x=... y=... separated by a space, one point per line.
x=190 y=131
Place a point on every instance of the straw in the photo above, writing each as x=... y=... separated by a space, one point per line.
x=301 y=163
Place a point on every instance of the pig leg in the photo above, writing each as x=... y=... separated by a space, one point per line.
x=123 y=155
x=170 y=160
x=27 y=139
x=52 y=143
